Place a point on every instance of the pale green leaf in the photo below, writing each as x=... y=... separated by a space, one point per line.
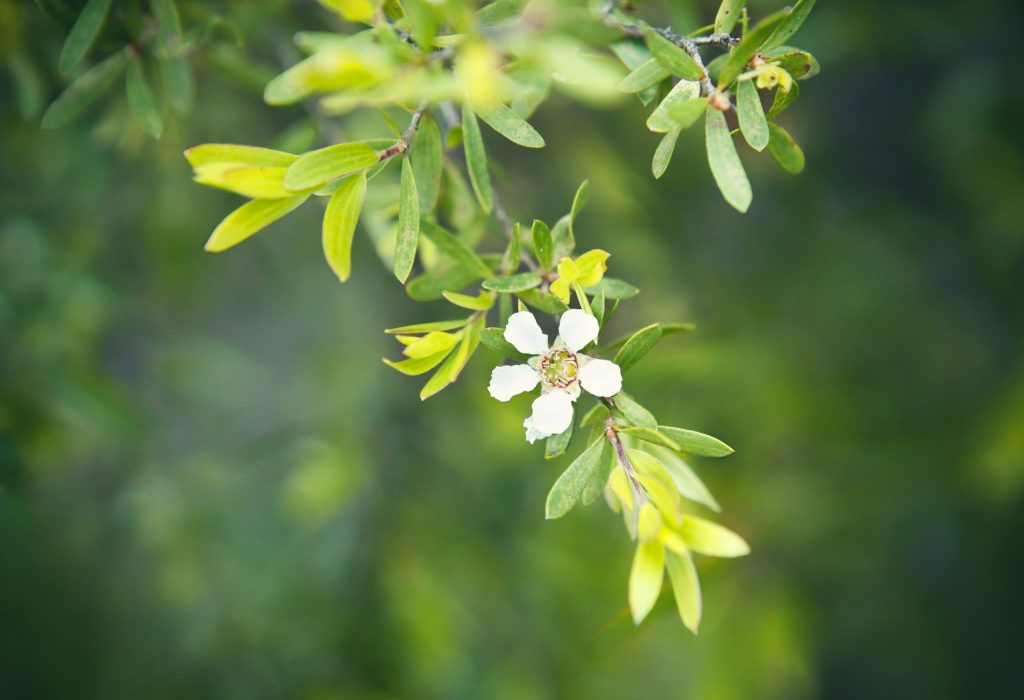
x=613 y=288
x=318 y=167
x=692 y=442
x=725 y=162
x=710 y=538
x=408 y=235
x=544 y=302
x=645 y=76
x=431 y=344
x=579 y=200
x=419 y=365
x=512 y=283
x=645 y=579
x=784 y=149
x=680 y=109
x=340 y=223
x=728 y=15
x=482 y=302
x=449 y=371
x=510 y=125
x=556 y=445
x=248 y=219
x=428 y=327
x=663 y=153
x=686 y=480
x=236 y=154
x=672 y=57
x=685 y=587
x=635 y=413
x=650 y=435
x=753 y=124
x=427 y=155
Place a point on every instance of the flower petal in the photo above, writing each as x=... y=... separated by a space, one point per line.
x=601 y=377
x=507 y=381
x=552 y=414
x=524 y=333
x=577 y=328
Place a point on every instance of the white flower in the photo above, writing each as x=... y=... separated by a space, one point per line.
x=560 y=370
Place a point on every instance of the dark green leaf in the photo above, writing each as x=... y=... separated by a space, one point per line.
x=476 y=160
x=784 y=149
x=751 y=115
x=511 y=126
x=494 y=339
x=724 y=161
x=792 y=23
x=556 y=445
x=84 y=91
x=569 y=486
x=82 y=34
x=512 y=283
x=638 y=345
x=782 y=100
x=142 y=101
x=177 y=82
x=455 y=248
x=613 y=289
x=542 y=246
x=543 y=301
x=510 y=260
x=752 y=42
x=427 y=155
x=579 y=200
x=597 y=307
x=695 y=443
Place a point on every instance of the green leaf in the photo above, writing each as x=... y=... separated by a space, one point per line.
x=685 y=587
x=645 y=76
x=510 y=260
x=449 y=371
x=782 y=100
x=728 y=15
x=686 y=480
x=579 y=200
x=417 y=365
x=454 y=247
x=752 y=42
x=340 y=223
x=248 y=219
x=672 y=57
x=650 y=435
x=597 y=305
x=784 y=149
x=645 y=579
x=83 y=33
x=253 y=181
x=694 y=443
x=177 y=81
x=790 y=25
x=318 y=167
x=567 y=490
x=663 y=153
x=542 y=245
x=510 y=125
x=166 y=15
x=239 y=155
x=84 y=90
x=667 y=329
x=431 y=344
x=638 y=345
x=428 y=327
x=613 y=289
x=680 y=109
x=633 y=54
x=544 y=302
x=476 y=160
x=481 y=302
x=799 y=64
x=427 y=155
x=599 y=479
x=512 y=283
x=706 y=537
x=724 y=161
x=408 y=235
x=494 y=339
x=751 y=115
x=637 y=414
x=556 y=445
x=433 y=284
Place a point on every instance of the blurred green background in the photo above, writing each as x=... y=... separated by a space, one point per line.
x=210 y=486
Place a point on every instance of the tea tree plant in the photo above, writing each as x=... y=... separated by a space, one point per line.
x=433 y=72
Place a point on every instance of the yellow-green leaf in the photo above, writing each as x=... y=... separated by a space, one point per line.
x=694 y=443
x=430 y=326
x=318 y=167
x=340 y=223
x=408 y=235
x=482 y=302
x=663 y=153
x=431 y=344
x=418 y=365
x=254 y=181
x=712 y=539
x=237 y=155
x=248 y=219
x=685 y=587
x=645 y=579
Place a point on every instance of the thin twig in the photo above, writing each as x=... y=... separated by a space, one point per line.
x=612 y=433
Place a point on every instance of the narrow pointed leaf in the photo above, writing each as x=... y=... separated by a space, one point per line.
x=680 y=109
x=652 y=436
x=84 y=90
x=177 y=82
x=476 y=160
x=478 y=303
x=83 y=33
x=725 y=162
x=340 y=223
x=694 y=443
x=663 y=153
x=753 y=41
x=248 y=219
x=638 y=345
x=556 y=445
x=568 y=488
x=784 y=149
x=672 y=57
x=513 y=283
x=645 y=579
x=635 y=413
x=408 y=235
x=455 y=248
x=542 y=245
x=428 y=327
x=712 y=539
x=494 y=339
x=579 y=200
x=685 y=587
x=511 y=125
x=318 y=167
x=452 y=367
x=427 y=154
x=782 y=100
x=751 y=115
x=728 y=15
x=644 y=76
x=237 y=154
x=254 y=181
x=418 y=365
x=790 y=25
x=544 y=302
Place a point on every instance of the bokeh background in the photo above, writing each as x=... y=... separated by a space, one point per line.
x=210 y=486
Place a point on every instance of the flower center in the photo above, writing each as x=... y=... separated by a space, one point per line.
x=559 y=368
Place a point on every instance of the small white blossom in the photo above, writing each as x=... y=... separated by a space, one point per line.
x=560 y=369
